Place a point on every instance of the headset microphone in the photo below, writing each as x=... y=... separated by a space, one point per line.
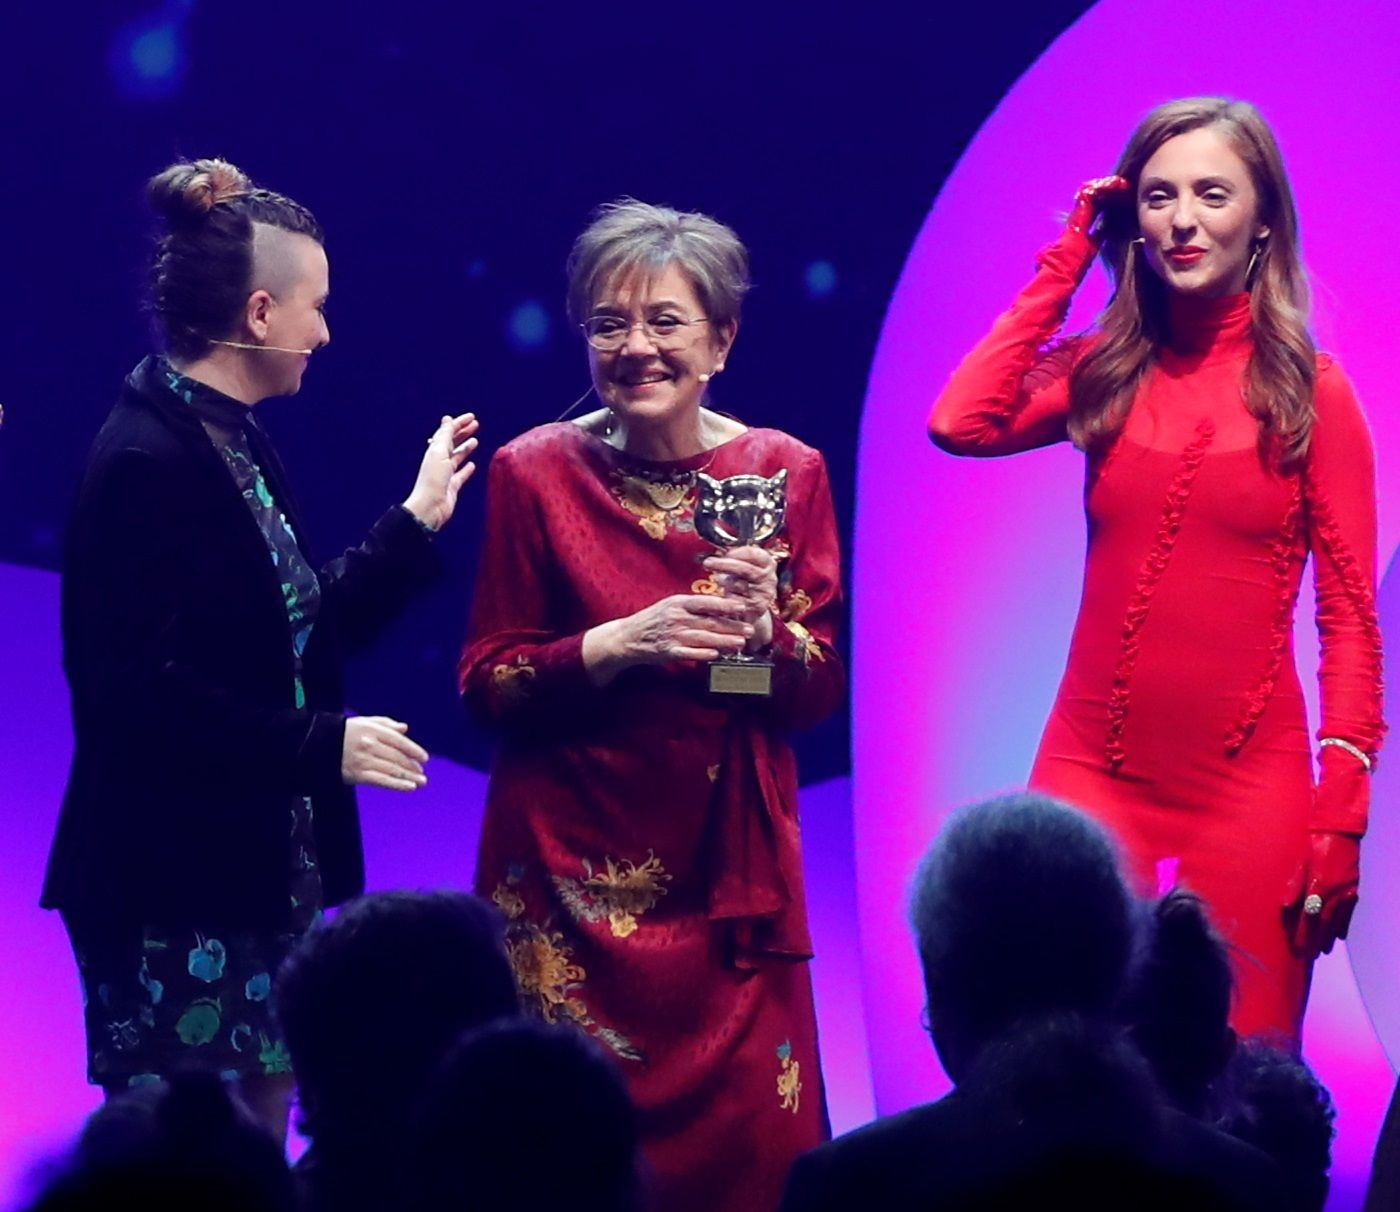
x=273 y=348
x=574 y=405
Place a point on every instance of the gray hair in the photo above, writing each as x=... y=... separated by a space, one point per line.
x=628 y=236
x=1019 y=908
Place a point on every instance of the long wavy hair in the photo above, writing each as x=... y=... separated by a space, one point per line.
x=1282 y=368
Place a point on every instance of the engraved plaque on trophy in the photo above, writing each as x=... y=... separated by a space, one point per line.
x=741 y=511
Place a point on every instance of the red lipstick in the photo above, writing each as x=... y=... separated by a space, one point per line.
x=1187 y=254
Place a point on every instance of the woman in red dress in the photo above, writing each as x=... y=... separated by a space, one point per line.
x=1222 y=451
x=641 y=832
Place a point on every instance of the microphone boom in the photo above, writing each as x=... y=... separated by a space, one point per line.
x=273 y=348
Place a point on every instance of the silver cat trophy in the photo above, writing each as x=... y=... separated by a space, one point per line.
x=741 y=511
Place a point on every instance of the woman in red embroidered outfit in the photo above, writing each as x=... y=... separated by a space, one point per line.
x=641 y=833
x=1222 y=452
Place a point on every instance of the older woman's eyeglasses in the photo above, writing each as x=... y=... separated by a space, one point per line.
x=610 y=333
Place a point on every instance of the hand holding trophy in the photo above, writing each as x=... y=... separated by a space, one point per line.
x=741 y=511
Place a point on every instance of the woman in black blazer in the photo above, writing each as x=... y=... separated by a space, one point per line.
x=209 y=815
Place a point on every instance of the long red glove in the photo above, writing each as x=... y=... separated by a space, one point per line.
x=1093 y=198
x=1331 y=869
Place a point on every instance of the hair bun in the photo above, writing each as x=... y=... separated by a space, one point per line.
x=187 y=192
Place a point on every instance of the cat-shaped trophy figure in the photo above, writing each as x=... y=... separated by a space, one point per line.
x=741 y=511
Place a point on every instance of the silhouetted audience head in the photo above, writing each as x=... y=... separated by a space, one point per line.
x=172 y=1148
x=517 y=1109
x=371 y=999
x=1019 y=912
x=1178 y=1002
x=1273 y=1101
x=1027 y=933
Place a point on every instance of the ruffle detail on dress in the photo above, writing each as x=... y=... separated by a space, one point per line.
x=1284 y=551
x=1153 y=567
x=1361 y=595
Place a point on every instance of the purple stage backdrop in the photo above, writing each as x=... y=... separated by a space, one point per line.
x=966 y=578
x=967 y=572
x=427 y=839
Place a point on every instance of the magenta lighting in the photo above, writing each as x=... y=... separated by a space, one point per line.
x=967 y=572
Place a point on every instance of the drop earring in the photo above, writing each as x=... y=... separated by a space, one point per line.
x=1254 y=257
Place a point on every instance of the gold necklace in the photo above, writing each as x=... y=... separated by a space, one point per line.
x=659 y=500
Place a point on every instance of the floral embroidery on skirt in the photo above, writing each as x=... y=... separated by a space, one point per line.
x=548 y=976
x=789 y=1078
x=620 y=893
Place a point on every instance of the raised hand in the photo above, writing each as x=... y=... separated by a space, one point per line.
x=1096 y=196
x=446 y=466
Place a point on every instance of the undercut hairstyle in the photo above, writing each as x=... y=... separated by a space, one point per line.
x=202 y=272
x=628 y=237
x=1283 y=367
x=1019 y=911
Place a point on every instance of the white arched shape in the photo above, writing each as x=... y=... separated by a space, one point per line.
x=967 y=572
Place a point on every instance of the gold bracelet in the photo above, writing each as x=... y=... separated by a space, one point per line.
x=1349 y=747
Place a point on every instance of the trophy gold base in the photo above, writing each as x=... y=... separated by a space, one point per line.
x=751 y=677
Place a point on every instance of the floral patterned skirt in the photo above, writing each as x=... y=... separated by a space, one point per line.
x=158 y=1001
x=611 y=934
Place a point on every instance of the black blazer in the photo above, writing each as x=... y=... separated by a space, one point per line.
x=188 y=746
x=954 y=1155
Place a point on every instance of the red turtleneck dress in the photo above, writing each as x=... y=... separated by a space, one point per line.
x=1180 y=721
